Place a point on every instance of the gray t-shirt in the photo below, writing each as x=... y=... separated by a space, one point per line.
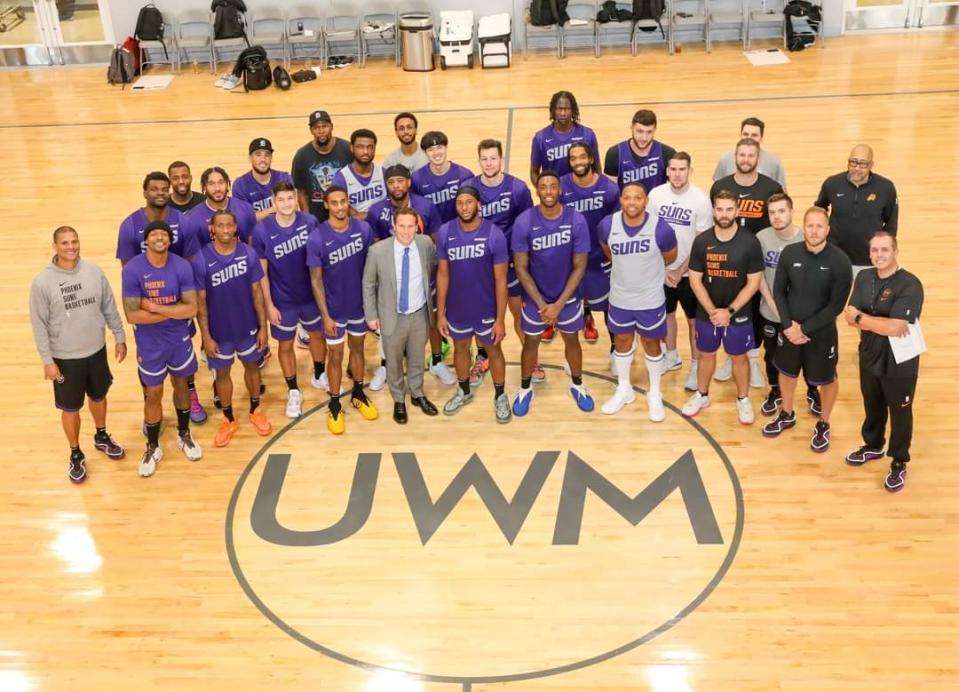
x=772 y=246
x=417 y=160
x=769 y=165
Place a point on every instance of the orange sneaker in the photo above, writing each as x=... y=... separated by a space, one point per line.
x=260 y=422
x=548 y=334
x=590 y=333
x=225 y=433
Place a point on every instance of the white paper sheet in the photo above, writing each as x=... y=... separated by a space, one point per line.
x=909 y=346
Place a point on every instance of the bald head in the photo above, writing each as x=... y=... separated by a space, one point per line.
x=860 y=164
x=861 y=151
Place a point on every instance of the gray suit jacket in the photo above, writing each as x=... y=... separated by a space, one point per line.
x=379 y=281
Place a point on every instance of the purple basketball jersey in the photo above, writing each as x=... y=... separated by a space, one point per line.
x=164 y=286
x=441 y=189
x=551 y=245
x=341 y=255
x=471 y=256
x=198 y=220
x=131 y=241
x=284 y=250
x=380 y=216
x=227 y=281
x=594 y=203
x=255 y=193
x=551 y=147
x=649 y=170
x=501 y=204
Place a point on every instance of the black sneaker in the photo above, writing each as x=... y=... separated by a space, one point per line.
x=896 y=478
x=815 y=404
x=771 y=403
x=782 y=422
x=78 y=467
x=862 y=455
x=106 y=444
x=820 y=437
x=216 y=399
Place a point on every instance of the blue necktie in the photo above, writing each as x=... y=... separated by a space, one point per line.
x=405 y=282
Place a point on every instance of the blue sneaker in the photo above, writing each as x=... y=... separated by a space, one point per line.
x=521 y=402
x=582 y=397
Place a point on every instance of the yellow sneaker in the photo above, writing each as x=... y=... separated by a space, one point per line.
x=336 y=423
x=225 y=433
x=366 y=408
x=260 y=422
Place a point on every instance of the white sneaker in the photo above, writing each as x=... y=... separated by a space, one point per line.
x=440 y=371
x=191 y=450
x=220 y=82
x=696 y=403
x=756 y=379
x=724 y=373
x=745 y=409
x=657 y=412
x=620 y=398
x=231 y=81
x=323 y=382
x=692 y=382
x=294 y=404
x=673 y=362
x=302 y=337
x=148 y=464
x=379 y=379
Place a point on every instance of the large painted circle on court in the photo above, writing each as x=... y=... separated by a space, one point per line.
x=448 y=598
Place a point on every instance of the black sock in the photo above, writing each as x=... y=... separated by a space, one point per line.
x=465 y=385
x=577 y=379
x=228 y=413
x=527 y=381
x=498 y=389
x=587 y=312
x=254 y=403
x=182 y=419
x=153 y=434
x=100 y=432
x=706 y=393
x=191 y=384
x=335 y=404
x=75 y=451
x=291 y=382
x=318 y=367
x=481 y=352
x=382 y=362
x=358 y=392
x=437 y=358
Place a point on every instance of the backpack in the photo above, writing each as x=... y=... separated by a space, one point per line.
x=610 y=13
x=253 y=67
x=228 y=21
x=650 y=10
x=122 y=68
x=548 y=12
x=150 y=26
x=797 y=39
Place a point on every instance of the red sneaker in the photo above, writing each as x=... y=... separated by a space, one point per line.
x=590 y=333
x=548 y=334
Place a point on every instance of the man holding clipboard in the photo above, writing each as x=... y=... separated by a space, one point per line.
x=885 y=307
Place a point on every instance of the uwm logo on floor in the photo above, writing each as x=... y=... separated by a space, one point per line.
x=459 y=554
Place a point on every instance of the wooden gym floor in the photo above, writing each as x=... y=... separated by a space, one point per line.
x=787 y=570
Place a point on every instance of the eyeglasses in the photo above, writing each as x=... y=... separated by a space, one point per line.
x=859 y=163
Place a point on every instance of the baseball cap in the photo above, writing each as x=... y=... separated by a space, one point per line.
x=320 y=117
x=261 y=143
x=396 y=171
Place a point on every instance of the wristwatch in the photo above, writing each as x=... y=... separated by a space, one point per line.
x=857 y=318
x=732 y=310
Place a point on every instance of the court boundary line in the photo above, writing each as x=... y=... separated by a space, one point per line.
x=490 y=109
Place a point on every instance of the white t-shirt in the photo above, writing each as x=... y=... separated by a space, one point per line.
x=689 y=213
x=417 y=160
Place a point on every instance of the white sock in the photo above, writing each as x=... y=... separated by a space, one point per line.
x=622 y=362
x=655 y=365
x=672 y=355
x=753 y=354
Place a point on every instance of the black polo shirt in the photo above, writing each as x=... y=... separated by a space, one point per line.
x=812 y=288
x=855 y=213
x=899 y=297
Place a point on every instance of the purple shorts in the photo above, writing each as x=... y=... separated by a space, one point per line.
x=514 y=288
x=354 y=326
x=736 y=339
x=650 y=324
x=175 y=359
x=570 y=318
x=596 y=284
x=306 y=314
x=464 y=331
x=243 y=348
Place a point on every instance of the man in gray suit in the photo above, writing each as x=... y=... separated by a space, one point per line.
x=398 y=302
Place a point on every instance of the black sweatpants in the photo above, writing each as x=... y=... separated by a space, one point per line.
x=887 y=398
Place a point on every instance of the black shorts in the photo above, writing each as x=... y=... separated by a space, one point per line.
x=88 y=376
x=683 y=295
x=817 y=359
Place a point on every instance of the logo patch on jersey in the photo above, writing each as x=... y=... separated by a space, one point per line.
x=886 y=292
x=871 y=197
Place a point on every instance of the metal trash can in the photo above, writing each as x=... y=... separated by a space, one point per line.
x=416 y=36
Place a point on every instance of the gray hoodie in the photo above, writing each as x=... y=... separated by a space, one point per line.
x=69 y=310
